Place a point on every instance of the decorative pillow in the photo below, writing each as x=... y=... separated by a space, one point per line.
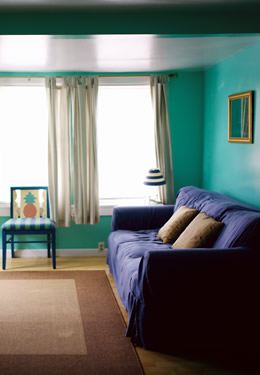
x=201 y=232
x=176 y=224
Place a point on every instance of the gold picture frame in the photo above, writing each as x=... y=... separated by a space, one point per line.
x=240 y=117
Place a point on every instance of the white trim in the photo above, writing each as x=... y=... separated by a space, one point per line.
x=105 y=209
x=27 y=81
x=4 y=209
x=103 y=81
x=22 y=81
x=124 y=81
x=41 y=253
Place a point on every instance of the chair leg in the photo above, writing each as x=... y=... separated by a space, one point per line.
x=49 y=245
x=12 y=247
x=53 y=250
x=4 y=249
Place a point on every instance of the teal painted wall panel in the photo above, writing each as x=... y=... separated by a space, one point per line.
x=186 y=122
x=181 y=20
x=232 y=168
x=84 y=236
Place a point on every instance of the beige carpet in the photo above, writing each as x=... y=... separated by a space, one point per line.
x=62 y=323
x=45 y=313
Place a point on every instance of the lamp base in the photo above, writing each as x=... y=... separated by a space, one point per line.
x=152 y=200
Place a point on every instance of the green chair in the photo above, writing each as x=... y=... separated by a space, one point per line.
x=29 y=215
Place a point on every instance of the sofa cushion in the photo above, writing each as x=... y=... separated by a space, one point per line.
x=31 y=223
x=176 y=224
x=126 y=249
x=214 y=204
x=201 y=232
x=241 y=221
x=241 y=229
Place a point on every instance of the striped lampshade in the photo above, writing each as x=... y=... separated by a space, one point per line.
x=154 y=178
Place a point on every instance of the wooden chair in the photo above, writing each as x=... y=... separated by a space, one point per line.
x=29 y=215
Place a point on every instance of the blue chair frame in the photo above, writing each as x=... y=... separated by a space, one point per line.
x=11 y=233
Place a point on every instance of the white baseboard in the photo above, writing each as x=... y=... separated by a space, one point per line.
x=39 y=253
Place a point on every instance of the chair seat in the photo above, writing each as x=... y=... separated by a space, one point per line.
x=28 y=224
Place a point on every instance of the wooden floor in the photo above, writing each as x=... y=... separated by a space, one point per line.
x=153 y=363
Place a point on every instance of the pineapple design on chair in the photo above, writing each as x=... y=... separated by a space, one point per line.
x=30 y=209
x=29 y=214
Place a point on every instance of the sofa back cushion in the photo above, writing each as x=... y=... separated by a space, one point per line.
x=241 y=228
x=241 y=222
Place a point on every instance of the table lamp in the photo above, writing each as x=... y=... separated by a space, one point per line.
x=154 y=178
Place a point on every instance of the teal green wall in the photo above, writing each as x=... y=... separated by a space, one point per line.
x=84 y=236
x=182 y=20
x=186 y=122
x=232 y=168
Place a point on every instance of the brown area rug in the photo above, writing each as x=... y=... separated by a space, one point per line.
x=65 y=322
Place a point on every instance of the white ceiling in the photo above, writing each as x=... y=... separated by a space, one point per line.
x=116 y=53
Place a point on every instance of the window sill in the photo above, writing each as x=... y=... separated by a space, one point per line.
x=4 y=209
x=105 y=208
x=107 y=205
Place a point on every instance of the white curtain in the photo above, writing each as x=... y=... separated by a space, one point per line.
x=59 y=141
x=51 y=92
x=159 y=93
x=85 y=168
x=72 y=110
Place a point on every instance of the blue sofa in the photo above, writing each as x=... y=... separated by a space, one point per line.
x=203 y=299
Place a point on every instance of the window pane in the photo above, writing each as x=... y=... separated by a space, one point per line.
x=125 y=140
x=23 y=142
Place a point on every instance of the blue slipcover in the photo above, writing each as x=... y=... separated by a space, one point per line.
x=188 y=298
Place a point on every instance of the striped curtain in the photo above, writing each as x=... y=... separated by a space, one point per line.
x=85 y=168
x=159 y=93
x=52 y=93
x=72 y=163
x=59 y=141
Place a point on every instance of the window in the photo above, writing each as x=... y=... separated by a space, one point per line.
x=24 y=138
x=126 y=148
x=125 y=136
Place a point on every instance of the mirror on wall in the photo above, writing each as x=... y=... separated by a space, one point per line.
x=240 y=117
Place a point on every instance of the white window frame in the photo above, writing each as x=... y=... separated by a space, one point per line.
x=18 y=81
x=127 y=80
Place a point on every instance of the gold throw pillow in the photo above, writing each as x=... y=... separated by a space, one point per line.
x=201 y=232
x=176 y=224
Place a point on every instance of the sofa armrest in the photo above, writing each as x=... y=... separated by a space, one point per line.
x=196 y=299
x=141 y=217
x=191 y=272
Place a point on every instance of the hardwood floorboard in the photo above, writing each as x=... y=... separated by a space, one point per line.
x=153 y=363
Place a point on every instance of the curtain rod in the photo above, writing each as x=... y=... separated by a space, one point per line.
x=174 y=75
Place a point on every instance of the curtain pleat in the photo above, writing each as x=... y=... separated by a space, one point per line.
x=64 y=156
x=51 y=92
x=163 y=149
x=73 y=109
x=92 y=93
x=59 y=140
x=85 y=169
